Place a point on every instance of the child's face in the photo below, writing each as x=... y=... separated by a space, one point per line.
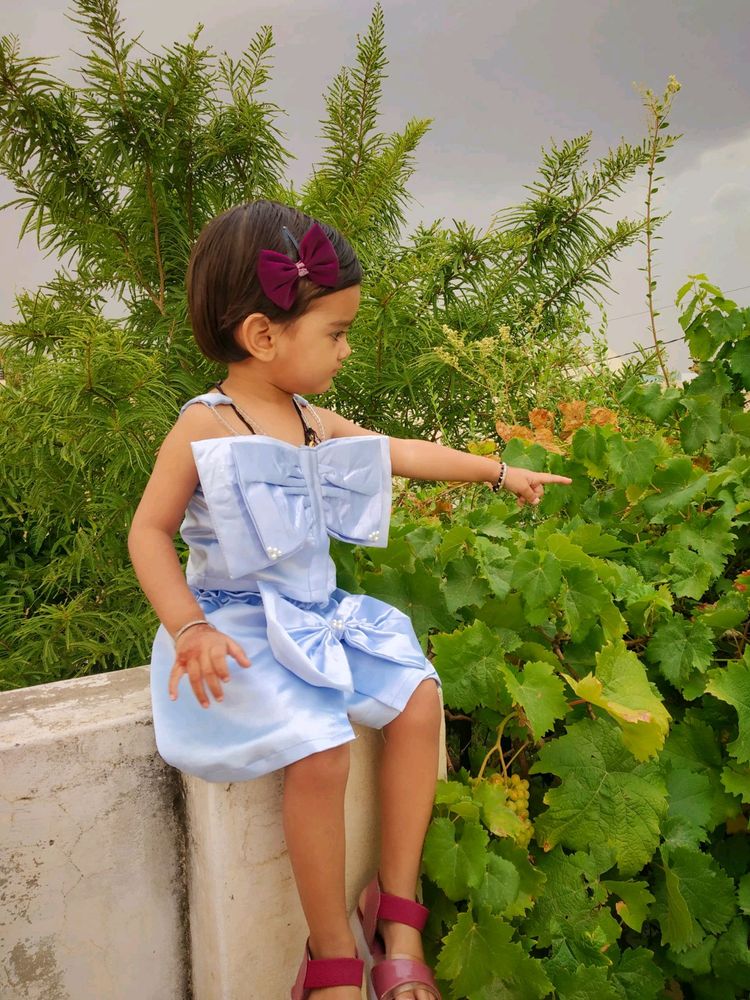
x=311 y=351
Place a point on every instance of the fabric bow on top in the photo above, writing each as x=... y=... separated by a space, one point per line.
x=279 y=274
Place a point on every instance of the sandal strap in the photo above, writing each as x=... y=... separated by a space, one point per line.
x=390 y=973
x=402 y=911
x=322 y=972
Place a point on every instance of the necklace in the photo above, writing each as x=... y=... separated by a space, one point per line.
x=311 y=436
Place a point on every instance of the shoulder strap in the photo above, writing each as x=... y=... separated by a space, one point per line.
x=208 y=399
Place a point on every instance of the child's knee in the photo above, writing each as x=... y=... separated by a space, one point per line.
x=326 y=769
x=424 y=710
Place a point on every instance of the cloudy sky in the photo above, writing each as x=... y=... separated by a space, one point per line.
x=500 y=79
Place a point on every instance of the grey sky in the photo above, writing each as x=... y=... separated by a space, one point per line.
x=500 y=79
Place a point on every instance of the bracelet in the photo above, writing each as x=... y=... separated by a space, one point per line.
x=501 y=478
x=192 y=624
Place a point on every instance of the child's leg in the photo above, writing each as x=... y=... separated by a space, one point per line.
x=407 y=790
x=314 y=829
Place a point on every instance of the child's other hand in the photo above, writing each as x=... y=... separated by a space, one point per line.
x=528 y=486
x=201 y=654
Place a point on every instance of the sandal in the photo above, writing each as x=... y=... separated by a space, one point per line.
x=317 y=973
x=391 y=975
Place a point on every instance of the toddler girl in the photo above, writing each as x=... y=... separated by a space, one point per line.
x=256 y=479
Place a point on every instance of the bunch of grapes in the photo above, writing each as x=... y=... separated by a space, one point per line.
x=517 y=798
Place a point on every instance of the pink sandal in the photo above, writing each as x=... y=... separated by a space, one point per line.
x=391 y=975
x=317 y=973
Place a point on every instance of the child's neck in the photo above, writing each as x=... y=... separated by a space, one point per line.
x=247 y=381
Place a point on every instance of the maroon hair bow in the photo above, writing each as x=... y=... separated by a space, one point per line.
x=279 y=274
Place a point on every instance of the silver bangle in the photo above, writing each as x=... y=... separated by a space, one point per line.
x=192 y=624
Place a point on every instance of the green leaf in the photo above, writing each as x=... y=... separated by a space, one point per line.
x=693 y=896
x=568 y=902
x=499 y=888
x=469 y=663
x=632 y=462
x=732 y=685
x=736 y=780
x=586 y=983
x=494 y=564
x=531 y=878
x=416 y=594
x=635 y=900
x=702 y=423
x=537 y=576
x=463 y=586
x=693 y=746
x=540 y=693
x=621 y=687
x=584 y=599
x=651 y=401
x=589 y=446
x=690 y=807
x=739 y=362
x=681 y=648
x=496 y=814
x=476 y=952
x=606 y=796
x=743 y=894
x=677 y=486
x=455 y=861
x=731 y=956
x=638 y=976
x=691 y=574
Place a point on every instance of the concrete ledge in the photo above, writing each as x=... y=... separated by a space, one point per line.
x=93 y=900
x=121 y=881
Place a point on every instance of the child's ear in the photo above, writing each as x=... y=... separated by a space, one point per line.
x=257 y=335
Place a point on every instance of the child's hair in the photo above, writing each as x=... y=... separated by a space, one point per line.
x=222 y=283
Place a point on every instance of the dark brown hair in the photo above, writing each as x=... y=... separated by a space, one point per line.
x=222 y=284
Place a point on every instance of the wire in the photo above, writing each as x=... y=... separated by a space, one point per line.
x=645 y=312
x=639 y=349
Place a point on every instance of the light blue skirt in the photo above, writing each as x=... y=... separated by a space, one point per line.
x=352 y=659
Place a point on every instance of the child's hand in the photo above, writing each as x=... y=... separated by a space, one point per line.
x=201 y=654
x=528 y=486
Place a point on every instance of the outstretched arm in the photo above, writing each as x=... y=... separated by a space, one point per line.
x=416 y=459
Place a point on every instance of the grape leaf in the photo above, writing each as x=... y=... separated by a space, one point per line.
x=692 y=746
x=691 y=574
x=621 y=687
x=539 y=692
x=743 y=894
x=702 y=423
x=537 y=576
x=637 y=975
x=499 y=888
x=416 y=594
x=584 y=600
x=497 y=815
x=681 y=648
x=469 y=663
x=606 y=796
x=589 y=446
x=736 y=780
x=567 y=903
x=531 y=879
x=650 y=400
x=635 y=900
x=494 y=564
x=690 y=807
x=455 y=861
x=731 y=956
x=732 y=685
x=477 y=951
x=632 y=461
x=462 y=585
x=586 y=983
x=693 y=896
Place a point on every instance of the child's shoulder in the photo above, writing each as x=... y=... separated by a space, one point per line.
x=198 y=419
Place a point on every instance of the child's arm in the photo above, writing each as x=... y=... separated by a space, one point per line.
x=200 y=652
x=416 y=459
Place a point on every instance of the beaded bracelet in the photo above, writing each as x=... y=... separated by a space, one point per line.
x=501 y=478
x=192 y=624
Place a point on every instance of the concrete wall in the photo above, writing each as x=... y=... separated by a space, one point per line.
x=121 y=881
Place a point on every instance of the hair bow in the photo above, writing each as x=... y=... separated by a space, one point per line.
x=279 y=274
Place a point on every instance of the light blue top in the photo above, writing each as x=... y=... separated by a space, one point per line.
x=264 y=509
